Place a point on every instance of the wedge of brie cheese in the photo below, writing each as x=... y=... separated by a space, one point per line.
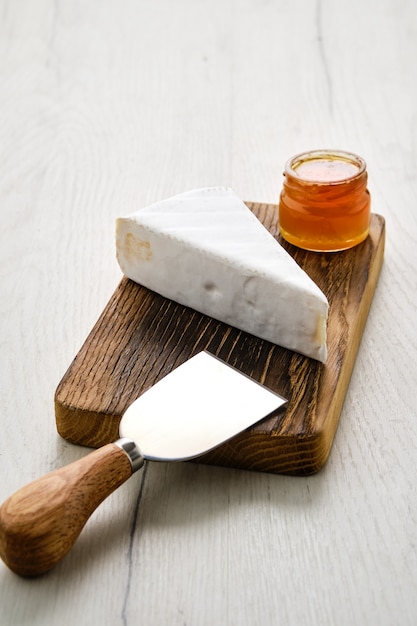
x=205 y=249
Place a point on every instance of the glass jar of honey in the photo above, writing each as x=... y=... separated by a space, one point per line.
x=325 y=204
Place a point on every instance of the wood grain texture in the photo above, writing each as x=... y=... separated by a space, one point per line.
x=142 y=336
x=40 y=523
x=107 y=106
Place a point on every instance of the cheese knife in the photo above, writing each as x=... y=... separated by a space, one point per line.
x=196 y=407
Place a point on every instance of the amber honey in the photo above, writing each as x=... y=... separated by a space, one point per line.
x=324 y=203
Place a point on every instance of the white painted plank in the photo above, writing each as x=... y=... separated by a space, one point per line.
x=106 y=106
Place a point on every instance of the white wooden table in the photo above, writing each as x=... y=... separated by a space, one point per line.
x=107 y=106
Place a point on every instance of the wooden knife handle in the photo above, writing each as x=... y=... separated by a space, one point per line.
x=41 y=521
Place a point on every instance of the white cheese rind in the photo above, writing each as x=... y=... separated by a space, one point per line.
x=205 y=249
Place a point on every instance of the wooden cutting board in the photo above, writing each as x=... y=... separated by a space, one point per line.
x=141 y=336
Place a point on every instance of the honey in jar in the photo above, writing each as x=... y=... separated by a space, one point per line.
x=325 y=204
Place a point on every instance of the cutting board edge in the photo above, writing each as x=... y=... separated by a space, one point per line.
x=102 y=428
x=308 y=453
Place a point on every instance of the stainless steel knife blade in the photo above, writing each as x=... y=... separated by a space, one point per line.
x=196 y=407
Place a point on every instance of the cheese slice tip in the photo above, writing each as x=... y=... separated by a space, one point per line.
x=205 y=249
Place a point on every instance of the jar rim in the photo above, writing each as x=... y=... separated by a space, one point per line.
x=323 y=154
